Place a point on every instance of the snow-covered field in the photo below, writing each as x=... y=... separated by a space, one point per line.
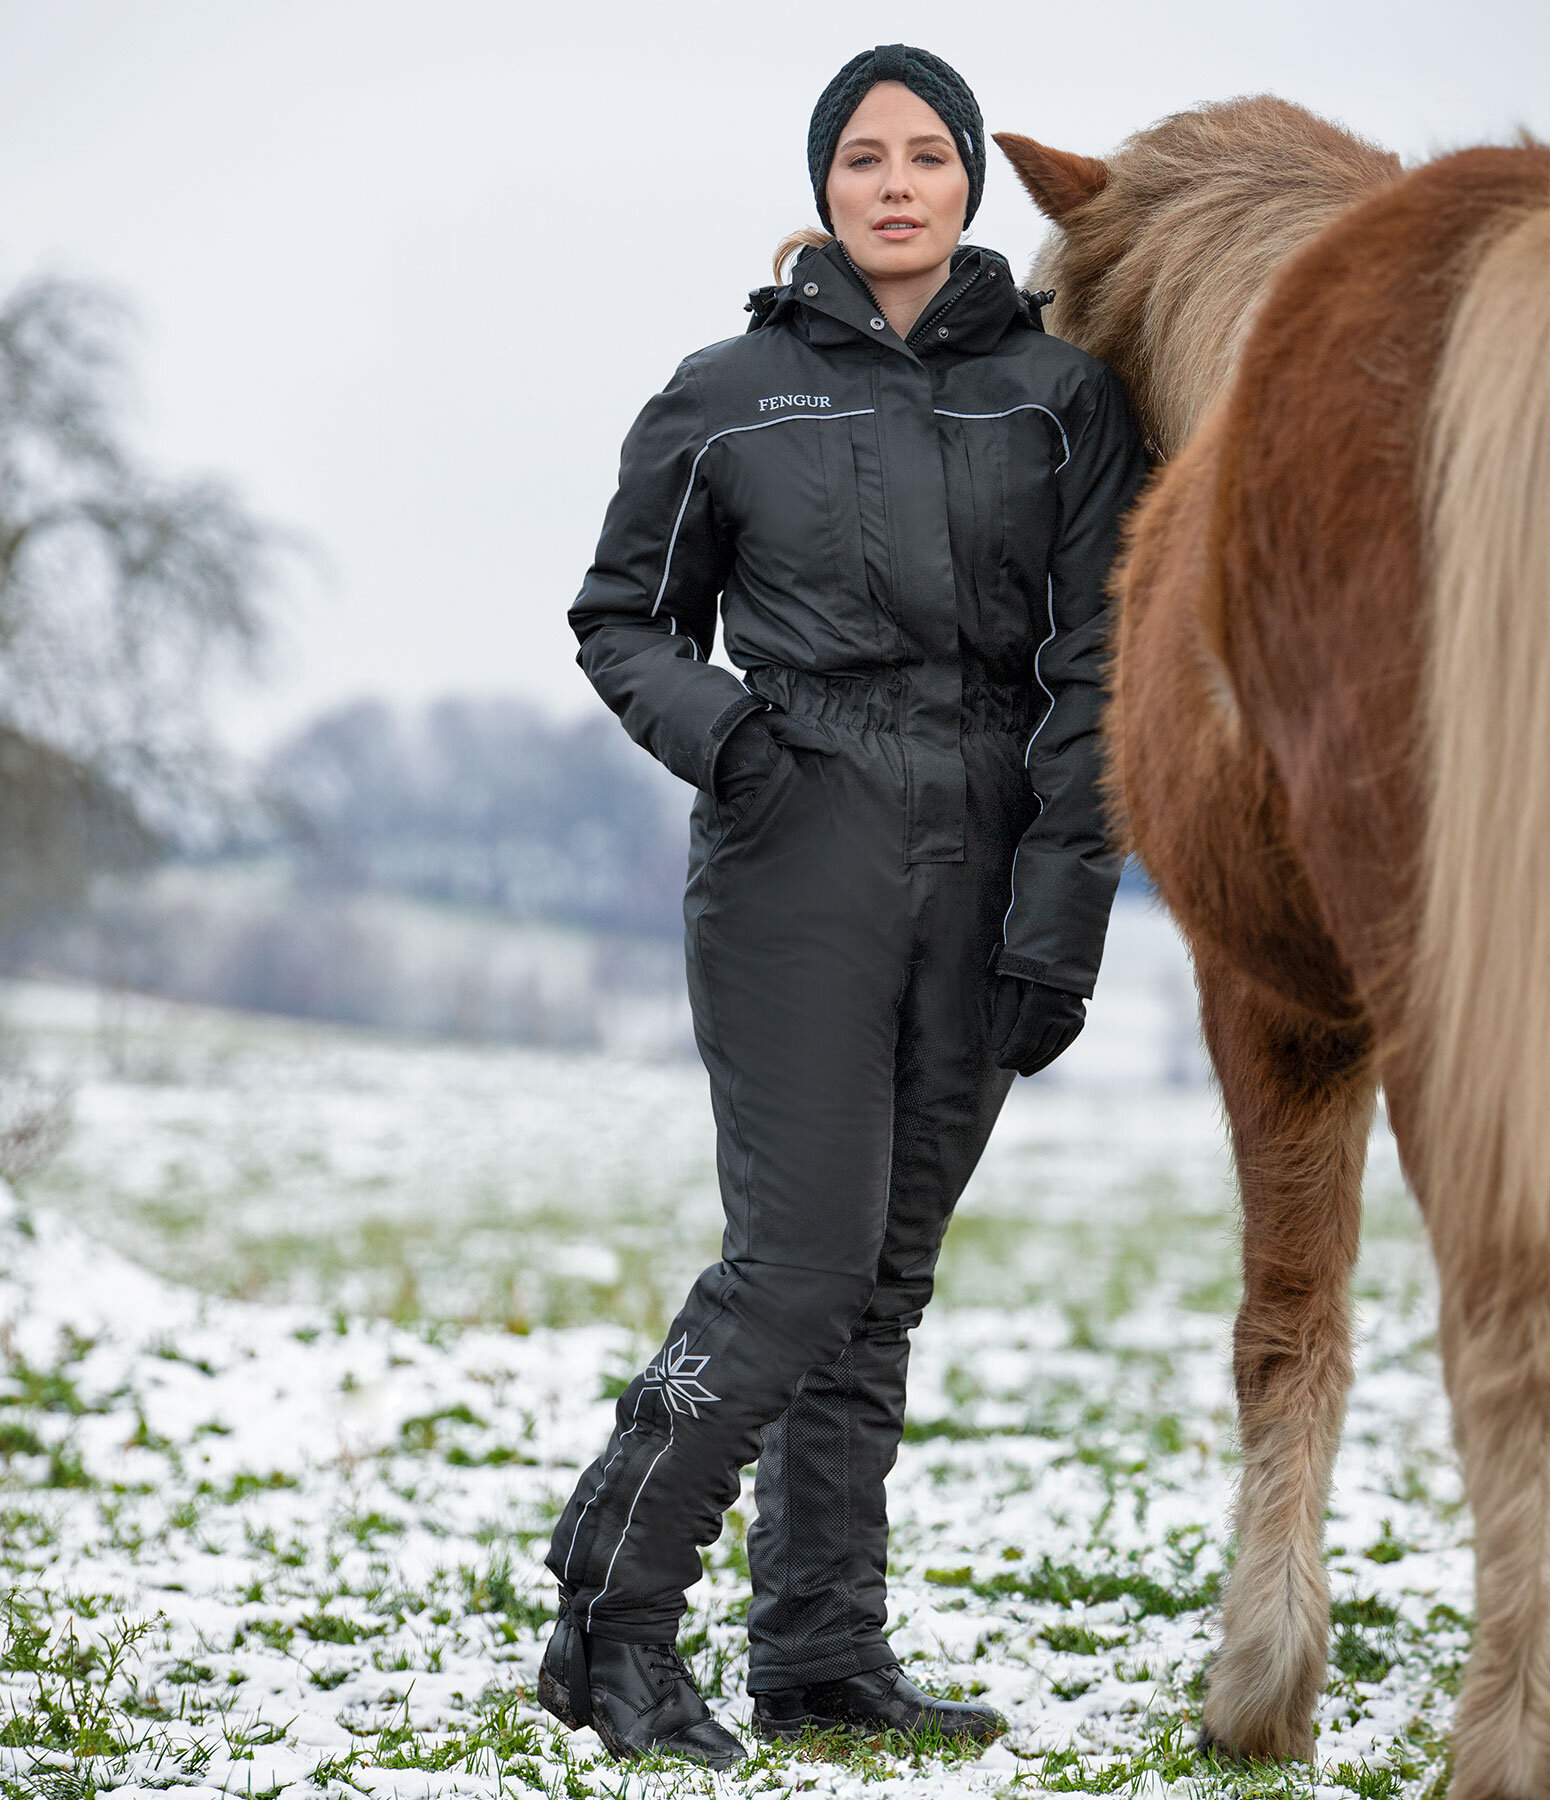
x=308 y=1331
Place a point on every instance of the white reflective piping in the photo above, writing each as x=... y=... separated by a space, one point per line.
x=672 y=631
x=732 y=431
x=1049 y=590
x=672 y=1432
x=1027 y=406
x=1049 y=596
x=602 y=1482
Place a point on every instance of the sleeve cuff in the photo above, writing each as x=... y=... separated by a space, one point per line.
x=1008 y=962
x=1068 y=980
x=722 y=727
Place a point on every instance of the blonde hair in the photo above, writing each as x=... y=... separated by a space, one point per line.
x=805 y=237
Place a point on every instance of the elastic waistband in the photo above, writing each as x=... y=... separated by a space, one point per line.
x=875 y=700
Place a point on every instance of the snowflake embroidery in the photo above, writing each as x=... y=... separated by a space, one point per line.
x=674 y=1373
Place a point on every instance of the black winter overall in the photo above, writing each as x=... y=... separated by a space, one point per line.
x=910 y=543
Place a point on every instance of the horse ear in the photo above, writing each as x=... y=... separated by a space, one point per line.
x=1059 y=180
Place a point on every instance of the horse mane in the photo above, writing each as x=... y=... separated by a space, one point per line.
x=1159 y=273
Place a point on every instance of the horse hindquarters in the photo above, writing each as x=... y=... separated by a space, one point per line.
x=1207 y=814
x=1197 y=793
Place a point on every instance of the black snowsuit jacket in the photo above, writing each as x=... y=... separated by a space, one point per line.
x=940 y=512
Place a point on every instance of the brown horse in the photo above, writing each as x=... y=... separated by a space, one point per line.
x=1330 y=743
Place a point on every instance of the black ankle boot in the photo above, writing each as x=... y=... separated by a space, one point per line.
x=639 y=1698
x=880 y=1700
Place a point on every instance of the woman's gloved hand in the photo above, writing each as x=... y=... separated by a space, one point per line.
x=746 y=762
x=1031 y=1024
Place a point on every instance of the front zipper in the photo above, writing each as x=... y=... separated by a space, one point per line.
x=921 y=324
x=877 y=305
x=951 y=300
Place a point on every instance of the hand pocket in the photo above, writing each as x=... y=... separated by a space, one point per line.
x=737 y=813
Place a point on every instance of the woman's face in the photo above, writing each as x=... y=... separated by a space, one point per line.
x=897 y=189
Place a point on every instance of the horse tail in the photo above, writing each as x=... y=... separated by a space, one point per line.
x=1481 y=978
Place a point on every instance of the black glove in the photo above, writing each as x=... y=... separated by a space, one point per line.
x=745 y=762
x=1031 y=1024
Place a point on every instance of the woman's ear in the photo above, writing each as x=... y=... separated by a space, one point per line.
x=1059 y=180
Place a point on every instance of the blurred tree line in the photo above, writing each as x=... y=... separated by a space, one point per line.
x=470 y=868
x=378 y=867
x=484 y=803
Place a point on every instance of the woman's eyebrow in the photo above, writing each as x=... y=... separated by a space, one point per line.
x=930 y=137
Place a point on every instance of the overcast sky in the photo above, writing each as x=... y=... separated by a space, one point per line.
x=405 y=272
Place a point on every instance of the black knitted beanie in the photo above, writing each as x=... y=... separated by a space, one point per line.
x=942 y=88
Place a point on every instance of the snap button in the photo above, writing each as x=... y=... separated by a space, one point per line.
x=941 y=331
x=879 y=324
x=810 y=288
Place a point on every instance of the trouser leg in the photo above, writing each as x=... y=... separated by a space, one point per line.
x=819 y=1548
x=627 y=1546
x=798 y=950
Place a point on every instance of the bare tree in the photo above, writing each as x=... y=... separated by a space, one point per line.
x=122 y=598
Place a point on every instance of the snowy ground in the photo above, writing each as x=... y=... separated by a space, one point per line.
x=308 y=1332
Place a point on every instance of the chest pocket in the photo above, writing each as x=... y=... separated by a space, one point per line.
x=803 y=500
x=1004 y=518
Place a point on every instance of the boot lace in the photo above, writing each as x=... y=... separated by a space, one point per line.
x=666 y=1664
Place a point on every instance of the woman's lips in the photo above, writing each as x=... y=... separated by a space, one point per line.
x=898 y=227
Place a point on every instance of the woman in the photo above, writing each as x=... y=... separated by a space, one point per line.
x=906 y=497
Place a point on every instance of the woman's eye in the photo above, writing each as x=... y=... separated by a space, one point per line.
x=930 y=156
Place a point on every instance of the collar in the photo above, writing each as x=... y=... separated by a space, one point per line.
x=828 y=300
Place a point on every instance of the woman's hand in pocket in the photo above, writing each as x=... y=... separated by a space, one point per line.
x=746 y=762
x=1031 y=1024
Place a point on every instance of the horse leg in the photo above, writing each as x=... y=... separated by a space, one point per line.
x=1494 y=1272
x=1209 y=815
x=1299 y=1095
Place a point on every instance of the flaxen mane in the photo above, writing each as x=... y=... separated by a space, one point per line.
x=1486 y=922
x=1174 y=252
